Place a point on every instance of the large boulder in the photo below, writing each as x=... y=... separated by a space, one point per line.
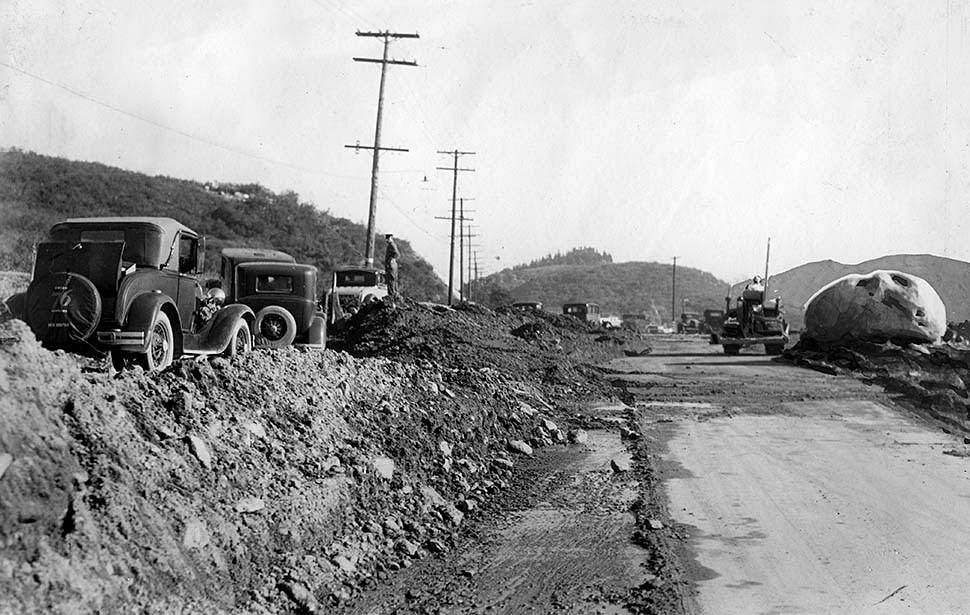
x=877 y=306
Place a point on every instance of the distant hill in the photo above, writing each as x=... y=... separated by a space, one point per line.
x=950 y=278
x=37 y=191
x=617 y=287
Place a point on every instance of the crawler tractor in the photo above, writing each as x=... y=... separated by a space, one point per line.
x=754 y=321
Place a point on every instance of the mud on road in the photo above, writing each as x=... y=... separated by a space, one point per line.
x=795 y=491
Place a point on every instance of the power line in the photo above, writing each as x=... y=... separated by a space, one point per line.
x=454 y=197
x=172 y=129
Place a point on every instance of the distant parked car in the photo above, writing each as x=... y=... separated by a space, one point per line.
x=590 y=312
x=353 y=287
x=611 y=322
x=281 y=292
x=131 y=286
x=527 y=306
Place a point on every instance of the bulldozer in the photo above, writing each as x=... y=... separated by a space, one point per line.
x=754 y=319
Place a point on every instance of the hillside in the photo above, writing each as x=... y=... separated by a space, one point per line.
x=618 y=287
x=36 y=191
x=950 y=278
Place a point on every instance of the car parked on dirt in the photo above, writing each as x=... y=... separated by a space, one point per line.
x=352 y=288
x=589 y=312
x=527 y=306
x=131 y=286
x=281 y=292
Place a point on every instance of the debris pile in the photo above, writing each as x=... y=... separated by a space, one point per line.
x=282 y=479
x=934 y=376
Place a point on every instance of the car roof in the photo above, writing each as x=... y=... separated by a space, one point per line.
x=275 y=267
x=264 y=254
x=166 y=225
x=350 y=268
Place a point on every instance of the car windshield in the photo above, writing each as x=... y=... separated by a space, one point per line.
x=356 y=278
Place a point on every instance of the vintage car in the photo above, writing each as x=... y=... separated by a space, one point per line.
x=130 y=286
x=353 y=287
x=527 y=306
x=281 y=292
x=590 y=312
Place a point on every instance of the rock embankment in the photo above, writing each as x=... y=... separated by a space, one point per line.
x=282 y=479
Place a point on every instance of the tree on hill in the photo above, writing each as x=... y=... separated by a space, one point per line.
x=576 y=256
x=37 y=191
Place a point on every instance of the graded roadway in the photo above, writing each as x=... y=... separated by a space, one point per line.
x=803 y=492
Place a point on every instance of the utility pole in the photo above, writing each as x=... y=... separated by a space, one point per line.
x=470 y=245
x=476 y=271
x=461 y=219
x=673 y=294
x=461 y=250
x=384 y=61
x=454 y=211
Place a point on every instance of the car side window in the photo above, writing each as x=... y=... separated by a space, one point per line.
x=187 y=248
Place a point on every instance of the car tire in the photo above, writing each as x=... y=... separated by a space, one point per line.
x=241 y=340
x=62 y=308
x=774 y=349
x=160 y=350
x=275 y=327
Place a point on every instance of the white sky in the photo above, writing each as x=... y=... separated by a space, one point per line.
x=647 y=129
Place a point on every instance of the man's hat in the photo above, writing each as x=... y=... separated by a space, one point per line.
x=388 y=236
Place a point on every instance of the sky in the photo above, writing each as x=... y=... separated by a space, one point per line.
x=648 y=129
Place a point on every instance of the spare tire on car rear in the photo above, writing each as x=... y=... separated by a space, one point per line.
x=275 y=327
x=62 y=308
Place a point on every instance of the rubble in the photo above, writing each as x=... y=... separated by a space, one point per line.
x=932 y=376
x=280 y=479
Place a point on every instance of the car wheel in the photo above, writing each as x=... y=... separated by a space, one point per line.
x=774 y=349
x=275 y=327
x=161 y=344
x=241 y=341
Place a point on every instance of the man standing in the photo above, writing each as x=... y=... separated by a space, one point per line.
x=391 y=254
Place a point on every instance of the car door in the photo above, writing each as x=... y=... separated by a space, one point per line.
x=189 y=289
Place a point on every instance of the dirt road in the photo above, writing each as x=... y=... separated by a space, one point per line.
x=557 y=541
x=802 y=492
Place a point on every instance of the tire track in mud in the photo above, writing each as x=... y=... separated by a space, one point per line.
x=558 y=541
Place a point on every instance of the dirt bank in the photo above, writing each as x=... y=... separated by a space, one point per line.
x=284 y=479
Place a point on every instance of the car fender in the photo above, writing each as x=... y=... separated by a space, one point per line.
x=317 y=333
x=215 y=335
x=15 y=303
x=142 y=311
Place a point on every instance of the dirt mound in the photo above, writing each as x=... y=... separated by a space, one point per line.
x=281 y=479
x=933 y=376
x=12 y=282
x=523 y=346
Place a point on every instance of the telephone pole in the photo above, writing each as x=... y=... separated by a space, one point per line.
x=454 y=212
x=384 y=61
x=673 y=294
x=469 y=245
x=476 y=270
